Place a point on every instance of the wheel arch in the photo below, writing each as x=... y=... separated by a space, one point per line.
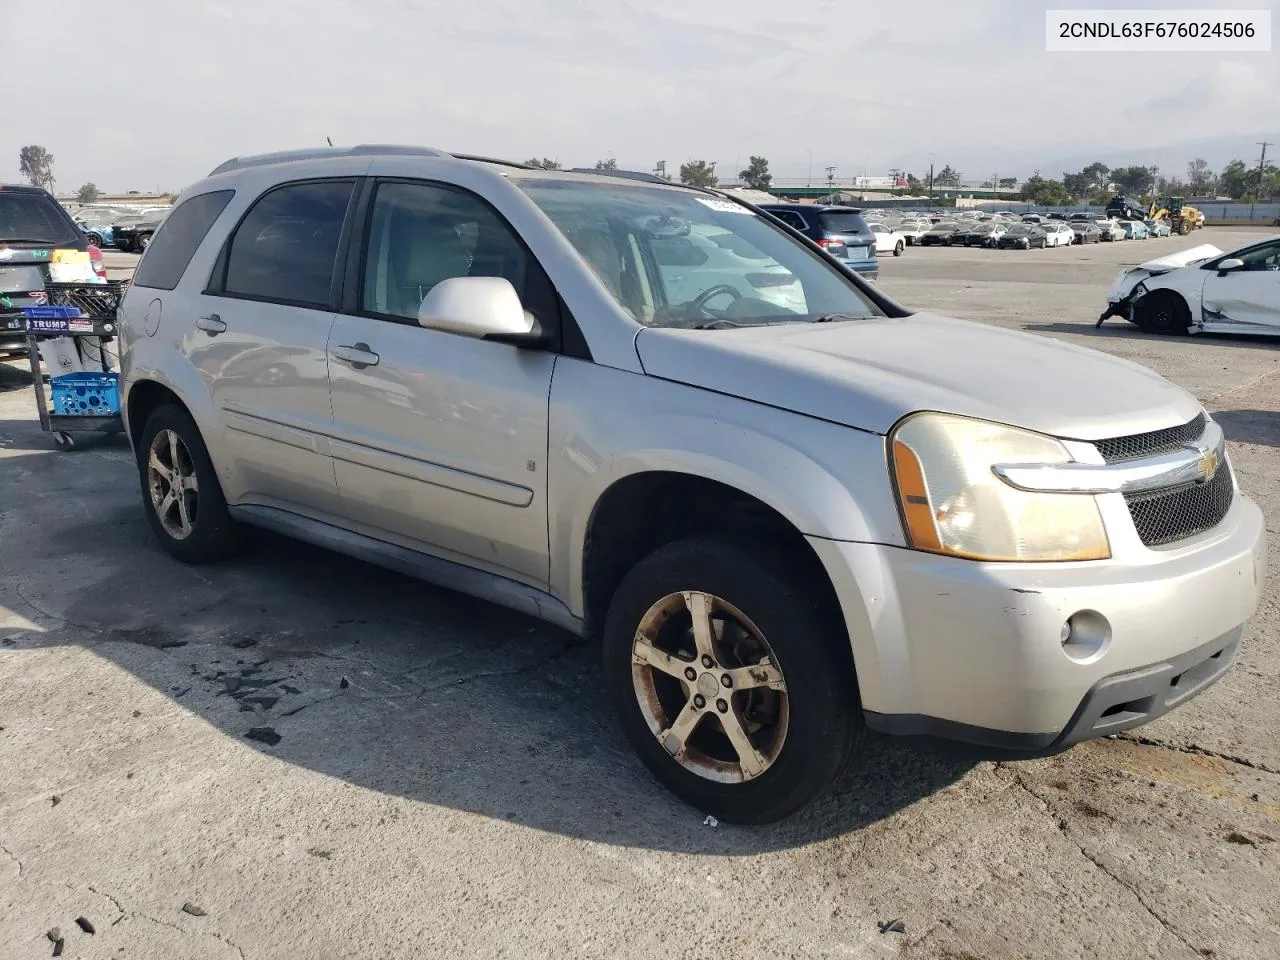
x=146 y=390
x=645 y=509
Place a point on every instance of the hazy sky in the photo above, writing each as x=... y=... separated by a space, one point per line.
x=148 y=94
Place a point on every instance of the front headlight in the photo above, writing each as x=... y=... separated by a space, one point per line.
x=953 y=503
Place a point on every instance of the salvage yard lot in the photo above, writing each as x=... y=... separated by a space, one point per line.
x=448 y=781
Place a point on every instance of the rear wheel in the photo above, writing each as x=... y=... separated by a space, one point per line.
x=180 y=489
x=1163 y=312
x=144 y=241
x=94 y=239
x=732 y=680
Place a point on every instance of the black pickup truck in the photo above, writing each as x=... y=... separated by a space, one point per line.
x=32 y=226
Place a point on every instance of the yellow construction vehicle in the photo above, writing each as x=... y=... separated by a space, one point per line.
x=1182 y=217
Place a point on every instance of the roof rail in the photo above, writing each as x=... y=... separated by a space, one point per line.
x=502 y=163
x=640 y=175
x=311 y=153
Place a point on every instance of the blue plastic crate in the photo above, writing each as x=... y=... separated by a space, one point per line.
x=50 y=313
x=86 y=394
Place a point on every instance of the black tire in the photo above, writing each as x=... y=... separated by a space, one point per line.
x=1163 y=312
x=808 y=643
x=144 y=241
x=213 y=535
x=93 y=239
x=897 y=250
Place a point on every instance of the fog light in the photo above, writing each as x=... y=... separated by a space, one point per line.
x=1086 y=635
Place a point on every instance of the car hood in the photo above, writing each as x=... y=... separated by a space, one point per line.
x=1126 y=280
x=869 y=373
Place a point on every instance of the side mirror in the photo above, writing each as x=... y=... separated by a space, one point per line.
x=486 y=308
x=1231 y=263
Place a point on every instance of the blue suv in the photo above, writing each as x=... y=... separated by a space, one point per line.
x=840 y=230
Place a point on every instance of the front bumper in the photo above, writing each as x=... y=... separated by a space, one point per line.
x=973 y=650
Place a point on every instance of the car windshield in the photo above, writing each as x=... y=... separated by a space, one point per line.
x=1020 y=229
x=32 y=216
x=679 y=258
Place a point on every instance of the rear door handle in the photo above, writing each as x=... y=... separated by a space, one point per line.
x=212 y=324
x=357 y=354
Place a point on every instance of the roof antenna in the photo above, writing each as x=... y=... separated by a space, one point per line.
x=329 y=141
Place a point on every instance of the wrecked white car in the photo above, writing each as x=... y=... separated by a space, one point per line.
x=1202 y=290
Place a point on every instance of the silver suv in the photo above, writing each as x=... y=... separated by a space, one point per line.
x=790 y=509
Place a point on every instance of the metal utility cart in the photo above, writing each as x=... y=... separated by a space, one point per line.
x=84 y=402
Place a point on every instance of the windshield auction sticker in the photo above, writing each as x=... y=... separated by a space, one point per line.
x=724 y=206
x=1182 y=31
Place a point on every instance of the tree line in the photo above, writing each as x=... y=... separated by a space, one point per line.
x=1097 y=182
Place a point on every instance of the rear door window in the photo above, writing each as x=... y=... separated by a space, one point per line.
x=178 y=238
x=285 y=247
x=842 y=222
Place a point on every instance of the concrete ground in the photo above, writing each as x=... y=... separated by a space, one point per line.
x=297 y=755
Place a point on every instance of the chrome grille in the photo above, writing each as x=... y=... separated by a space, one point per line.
x=1139 y=445
x=1164 y=516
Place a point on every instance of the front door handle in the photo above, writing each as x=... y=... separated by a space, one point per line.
x=357 y=354
x=212 y=324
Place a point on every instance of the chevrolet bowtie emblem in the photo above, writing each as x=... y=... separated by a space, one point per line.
x=1207 y=465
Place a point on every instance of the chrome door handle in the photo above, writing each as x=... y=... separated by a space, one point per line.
x=212 y=324
x=357 y=354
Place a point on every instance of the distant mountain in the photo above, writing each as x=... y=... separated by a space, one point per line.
x=980 y=161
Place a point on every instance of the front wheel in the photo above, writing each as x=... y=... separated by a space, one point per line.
x=1164 y=312
x=731 y=678
x=180 y=489
x=897 y=249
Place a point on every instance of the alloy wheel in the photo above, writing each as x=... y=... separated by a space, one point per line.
x=709 y=687
x=172 y=482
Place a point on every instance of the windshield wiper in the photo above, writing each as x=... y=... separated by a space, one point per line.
x=833 y=317
x=721 y=322
x=31 y=240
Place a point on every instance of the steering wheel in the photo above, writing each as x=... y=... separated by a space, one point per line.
x=700 y=302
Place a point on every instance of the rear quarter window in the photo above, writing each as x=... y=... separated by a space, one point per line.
x=791 y=219
x=178 y=238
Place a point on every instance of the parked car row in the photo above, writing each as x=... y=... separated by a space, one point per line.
x=1011 y=231
x=126 y=230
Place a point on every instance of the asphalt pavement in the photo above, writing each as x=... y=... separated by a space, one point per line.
x=298 y=755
